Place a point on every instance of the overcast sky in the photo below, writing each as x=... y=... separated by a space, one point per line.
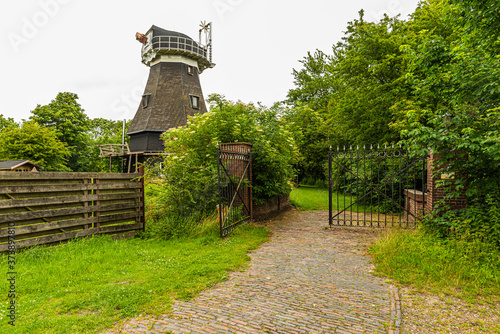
x=88 y=47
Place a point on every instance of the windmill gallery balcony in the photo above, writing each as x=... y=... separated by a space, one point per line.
x=175 y=45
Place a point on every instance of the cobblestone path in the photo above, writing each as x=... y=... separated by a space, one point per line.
x=307 y=279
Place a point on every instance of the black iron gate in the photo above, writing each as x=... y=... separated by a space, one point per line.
x=234 y=166
x=376 y=187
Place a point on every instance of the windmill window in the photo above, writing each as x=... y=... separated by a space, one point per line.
x=195 y=101
x=190 y=70
x=145 y=100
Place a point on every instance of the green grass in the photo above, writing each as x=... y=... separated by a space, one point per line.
x=416 y=258
x=87 y=285
x=315 y=198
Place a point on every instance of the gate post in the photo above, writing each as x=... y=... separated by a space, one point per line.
x=219 y=207
x=330 y=186
x=250 y=177
x=436 y=191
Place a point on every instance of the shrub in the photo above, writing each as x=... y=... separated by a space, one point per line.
x=187 y=189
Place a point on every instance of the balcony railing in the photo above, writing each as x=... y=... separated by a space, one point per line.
x=175 y=43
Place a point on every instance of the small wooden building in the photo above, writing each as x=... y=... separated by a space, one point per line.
x=19 y=166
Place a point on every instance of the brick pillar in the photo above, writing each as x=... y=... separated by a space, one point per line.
x=437 y=193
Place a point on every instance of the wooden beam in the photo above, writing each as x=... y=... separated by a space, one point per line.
x=118 y=196
x=12 y=189
x=118 y=216
x=13 y=217
x=65 y=176
x=17 y=203
x=68 y=187
x=28 y=229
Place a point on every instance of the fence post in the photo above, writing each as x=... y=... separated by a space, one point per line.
x=97 y=206
x=86 y=203
x=142 y=200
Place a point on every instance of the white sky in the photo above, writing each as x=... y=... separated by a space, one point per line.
x=88 y=47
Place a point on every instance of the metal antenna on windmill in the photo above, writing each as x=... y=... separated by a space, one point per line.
x=206 y=28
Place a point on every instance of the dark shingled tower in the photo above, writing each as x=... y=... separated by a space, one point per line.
x=173 y=91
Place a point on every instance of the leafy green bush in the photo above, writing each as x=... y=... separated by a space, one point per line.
x=454 y=110
x=477 y=223
x=187 y=188
x=36 y=143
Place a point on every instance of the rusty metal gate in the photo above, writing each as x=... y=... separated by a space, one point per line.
x=376 y=187
x=234 y=167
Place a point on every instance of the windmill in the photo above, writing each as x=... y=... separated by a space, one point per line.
x=173 y=91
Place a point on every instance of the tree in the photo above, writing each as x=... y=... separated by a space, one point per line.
x=356 y=86
x=6 y=122
x=310 y=131
x=454 y=110
x=191 y=166
x=103 y=131
x=314 y=83
x=66 y=116
x=350 y=94
x=32 y=142
x=480 y=18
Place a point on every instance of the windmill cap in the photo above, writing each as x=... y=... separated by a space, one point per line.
x=157 y=31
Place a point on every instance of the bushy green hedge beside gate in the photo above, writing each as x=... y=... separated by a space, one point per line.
x=187 y=189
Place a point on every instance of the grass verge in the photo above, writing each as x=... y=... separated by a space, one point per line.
x=426 y=262
x=315 y=198
x=87 y=285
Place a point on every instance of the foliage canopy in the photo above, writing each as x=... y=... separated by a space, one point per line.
x=431 y=82
x=65 y=115
x=32 y=142
x=190 y=168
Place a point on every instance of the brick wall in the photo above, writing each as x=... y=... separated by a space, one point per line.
x=414 y=203
x=414 y=199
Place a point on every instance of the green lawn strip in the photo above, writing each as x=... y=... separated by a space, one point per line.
x=315 y=198
x=415 y=258
x=89 y=284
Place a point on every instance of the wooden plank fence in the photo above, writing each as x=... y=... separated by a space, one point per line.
x=52 y=207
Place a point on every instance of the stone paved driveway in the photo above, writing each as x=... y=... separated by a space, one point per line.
x=307 y=279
